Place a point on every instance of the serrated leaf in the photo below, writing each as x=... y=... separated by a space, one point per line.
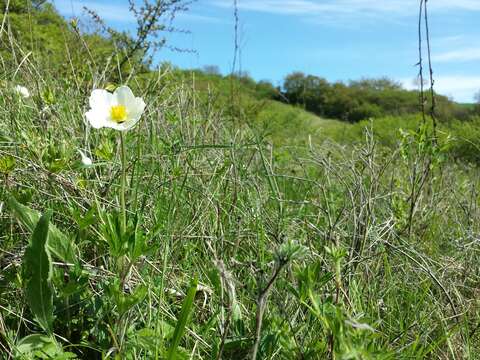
x=59 y=244
x=37 y=268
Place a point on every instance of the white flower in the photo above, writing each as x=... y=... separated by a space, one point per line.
x=120 y=110
x=22 y=90
x=86 y=161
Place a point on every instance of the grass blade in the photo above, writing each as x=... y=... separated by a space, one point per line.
x=182 y=320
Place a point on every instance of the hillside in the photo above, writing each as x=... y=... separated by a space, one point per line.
x=160 y=213
x=287 y=116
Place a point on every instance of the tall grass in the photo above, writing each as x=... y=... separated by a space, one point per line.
x=217 y=202
x=255 y=231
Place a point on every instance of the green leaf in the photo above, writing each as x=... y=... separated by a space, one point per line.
x=126 y=302
x=182 y=320
x=146 y=339
x=59 y=244
x=37 y=342
x=39 y=346
x=166 y=330
x=7 y=164
x=37 y=268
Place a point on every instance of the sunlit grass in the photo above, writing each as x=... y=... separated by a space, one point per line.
x=213 y=201
x=223 y=224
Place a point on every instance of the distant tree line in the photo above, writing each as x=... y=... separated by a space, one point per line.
x=353 y=101
x=361 y=99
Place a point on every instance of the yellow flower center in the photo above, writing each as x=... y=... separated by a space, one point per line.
x=118 y=113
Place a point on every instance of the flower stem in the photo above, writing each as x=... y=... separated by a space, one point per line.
x=122 y=259
x=123 y=184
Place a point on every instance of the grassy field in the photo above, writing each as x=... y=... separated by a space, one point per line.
x=225 y=224
x=273 y=232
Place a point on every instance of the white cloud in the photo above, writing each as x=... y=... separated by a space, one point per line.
x=473 y=5
x=451 y=41
x=390 y=8
x=311 y=7
x=188 y=16
x=461 y=88
x=462 y=55
x=108 y=12
x=118 y=12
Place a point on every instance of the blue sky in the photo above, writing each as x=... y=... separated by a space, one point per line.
x=335 y=39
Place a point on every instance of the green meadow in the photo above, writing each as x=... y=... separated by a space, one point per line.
x=233 y=219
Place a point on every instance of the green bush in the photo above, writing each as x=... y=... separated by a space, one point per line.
x=465 y=144
x=361 y=99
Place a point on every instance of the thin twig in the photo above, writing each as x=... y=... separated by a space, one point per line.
x=420 y=62
x=261 y=305
x=432 y=81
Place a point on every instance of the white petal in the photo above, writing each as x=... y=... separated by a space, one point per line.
x=127 y=125
x=124 y=96
x=100 y=99
x=134 y=106
x=100 y=102
x=137 y=108
x=114 y=125
x=97 y=118
x=22 y=90
x=134 y=114
x=86 y=161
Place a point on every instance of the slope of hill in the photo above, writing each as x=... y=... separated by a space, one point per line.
x=225 y=224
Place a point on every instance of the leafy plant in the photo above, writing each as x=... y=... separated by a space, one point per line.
x=37 y=267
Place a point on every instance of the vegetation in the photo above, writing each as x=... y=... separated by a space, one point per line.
x=361 y=100
x=226 y=224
